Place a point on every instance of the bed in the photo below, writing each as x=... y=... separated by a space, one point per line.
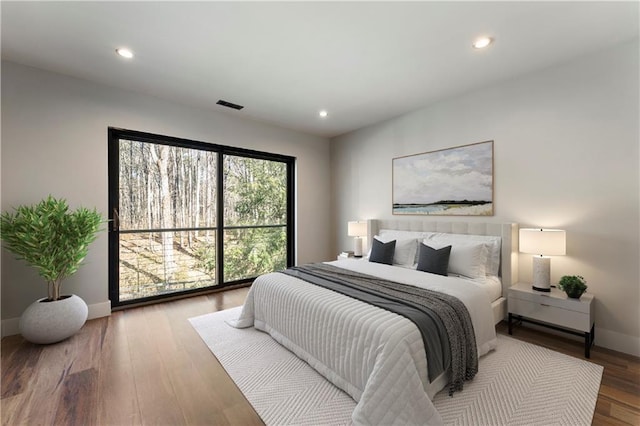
x=376 y=356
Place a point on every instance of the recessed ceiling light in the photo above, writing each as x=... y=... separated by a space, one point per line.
x=482 y=42
x=323 y=113
x=124 y=52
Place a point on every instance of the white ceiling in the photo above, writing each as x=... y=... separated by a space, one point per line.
x=363 y=61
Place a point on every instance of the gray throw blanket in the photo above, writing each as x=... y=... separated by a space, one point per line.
x=443 y=320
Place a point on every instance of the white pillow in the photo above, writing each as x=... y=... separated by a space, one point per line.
x=386 y=235
x=406 y=249
x=493 y=243
x=467 y=258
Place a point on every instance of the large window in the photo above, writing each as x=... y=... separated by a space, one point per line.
x=188 y=216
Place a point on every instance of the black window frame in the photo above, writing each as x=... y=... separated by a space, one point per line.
x=116 y=134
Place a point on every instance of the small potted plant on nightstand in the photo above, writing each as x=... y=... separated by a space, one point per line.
x=573 y=285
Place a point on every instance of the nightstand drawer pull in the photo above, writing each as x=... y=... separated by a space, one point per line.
x=544 y=304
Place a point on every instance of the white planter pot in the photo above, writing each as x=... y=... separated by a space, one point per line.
x=50 y=322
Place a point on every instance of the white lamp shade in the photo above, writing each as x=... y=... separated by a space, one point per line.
x=545 y=242
x=357 y=229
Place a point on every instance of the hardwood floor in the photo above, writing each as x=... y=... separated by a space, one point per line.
x=148 y=366
x=144 y=365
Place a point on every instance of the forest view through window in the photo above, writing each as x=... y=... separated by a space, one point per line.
x=188 y=216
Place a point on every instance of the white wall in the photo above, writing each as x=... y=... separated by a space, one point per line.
x=566 y=156
x=54 y=140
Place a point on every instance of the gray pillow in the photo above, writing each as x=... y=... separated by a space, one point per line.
x=382 y=252
x=434 y=261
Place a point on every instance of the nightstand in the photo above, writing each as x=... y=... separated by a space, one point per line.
x=553 y=310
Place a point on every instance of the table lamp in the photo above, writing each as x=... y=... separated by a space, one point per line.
x=357 y=229
x=542 y=243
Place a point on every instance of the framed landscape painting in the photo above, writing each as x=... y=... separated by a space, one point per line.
x=452 y=182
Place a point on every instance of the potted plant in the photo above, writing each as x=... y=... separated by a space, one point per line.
x=573 y=285
x=54 y=240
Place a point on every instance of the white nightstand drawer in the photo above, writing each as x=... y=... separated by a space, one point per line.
x=555 y=298
x=545 y=312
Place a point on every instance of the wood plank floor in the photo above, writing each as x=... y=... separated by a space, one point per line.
x=141 y=366
x=148 y=366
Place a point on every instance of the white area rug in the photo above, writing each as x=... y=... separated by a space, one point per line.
x=518 y=384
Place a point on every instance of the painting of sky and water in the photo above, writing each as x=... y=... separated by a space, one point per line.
x=450 y=182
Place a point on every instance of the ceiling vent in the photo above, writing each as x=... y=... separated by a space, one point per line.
x=229 y=104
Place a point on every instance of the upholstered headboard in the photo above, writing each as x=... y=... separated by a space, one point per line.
x=507 y=231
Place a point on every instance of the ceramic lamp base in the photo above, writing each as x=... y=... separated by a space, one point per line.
x=357 y=247
x=541 y=273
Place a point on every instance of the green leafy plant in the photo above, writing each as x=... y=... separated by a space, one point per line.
x=573 y=285
x=50 y=238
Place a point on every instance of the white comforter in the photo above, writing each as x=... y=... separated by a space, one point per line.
x=376 y=356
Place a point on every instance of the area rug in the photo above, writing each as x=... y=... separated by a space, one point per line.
x=517 y=384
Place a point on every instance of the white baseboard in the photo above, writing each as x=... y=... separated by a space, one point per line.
x=10 y=327
x=618 y=341
x=97 y=310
